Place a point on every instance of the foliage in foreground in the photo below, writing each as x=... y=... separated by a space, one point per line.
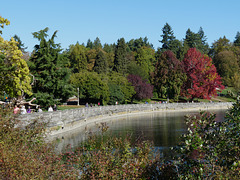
x=208 y=150
x=25 y=155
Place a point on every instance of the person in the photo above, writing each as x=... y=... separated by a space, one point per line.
x=39 y=109
x=55 y=107
x=86 y=105
x=16 y=109
x=28 y=110
x=50 y=108
x=23 y=110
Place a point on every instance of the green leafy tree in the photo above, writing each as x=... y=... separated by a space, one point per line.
x=110 y=51
x=78 y=57
x=145 y=58
x=117 y=81
x=221 y=44
x=135 y=69
x=101 y=63
x=49 y=69
x=227 y=65
x=14 y=72
x=91 y=87
x=120 y=59
x=116 y=95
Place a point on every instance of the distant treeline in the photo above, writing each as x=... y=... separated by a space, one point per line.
x=123 y=71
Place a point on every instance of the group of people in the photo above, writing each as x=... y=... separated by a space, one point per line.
x=23 y=110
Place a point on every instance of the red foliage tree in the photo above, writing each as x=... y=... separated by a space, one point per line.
x=202 y=77
x=143 y=89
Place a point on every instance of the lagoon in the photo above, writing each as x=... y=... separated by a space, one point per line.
x=163 y=128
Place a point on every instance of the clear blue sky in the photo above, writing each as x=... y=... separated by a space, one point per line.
x=110 y=20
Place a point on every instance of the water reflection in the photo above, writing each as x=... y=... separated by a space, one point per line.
x=164 y=128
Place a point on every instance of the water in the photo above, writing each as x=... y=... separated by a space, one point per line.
x=164 y=128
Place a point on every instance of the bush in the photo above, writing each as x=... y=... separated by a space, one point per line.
x=25 y=155
x=210 y=149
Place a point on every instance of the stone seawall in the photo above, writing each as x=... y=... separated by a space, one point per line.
x=67 y=120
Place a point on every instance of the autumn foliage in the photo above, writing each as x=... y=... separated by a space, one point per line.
x=202 y=77
x=143 y=89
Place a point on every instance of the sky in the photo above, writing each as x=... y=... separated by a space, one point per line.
x=110 y=20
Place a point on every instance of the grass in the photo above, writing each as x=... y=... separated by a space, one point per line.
x=64 y=107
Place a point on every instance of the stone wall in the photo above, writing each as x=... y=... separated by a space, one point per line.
x=66 y=120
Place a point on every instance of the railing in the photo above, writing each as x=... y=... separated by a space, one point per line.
x=72 y=118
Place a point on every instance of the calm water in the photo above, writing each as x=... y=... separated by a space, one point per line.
x=164 y=128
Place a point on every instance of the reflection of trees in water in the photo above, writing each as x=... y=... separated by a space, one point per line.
x=164 y=129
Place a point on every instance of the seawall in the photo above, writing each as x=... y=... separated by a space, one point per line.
x=67 y=120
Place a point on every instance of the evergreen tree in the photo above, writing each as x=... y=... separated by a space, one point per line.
x=203 y=47
x=48 y=67
x=89 y=44
x=120 y=59
x=97 y=43
x=101 y=64
x=167 y=37
x=196 y=40
x=20 y=44
x=237 y=39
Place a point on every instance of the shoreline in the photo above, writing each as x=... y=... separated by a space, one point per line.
x=91 y=121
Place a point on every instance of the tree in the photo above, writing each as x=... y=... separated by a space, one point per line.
x=101 y=64
x=167 y=37
x=120 y=59
x=78 y=57
x=49 y=69
x=237 y=39
x=135 y=69
x=144 y=58
x=202 y=77
x=196 y=40
x=168 y=76
x=227 y=65
x=20 y=44
x=220 y=45
x=91 y=87
x=89 y=44
x=135 y=44
x=97 y=44
x=14 y=72
x=142 y=88
x=118 y=82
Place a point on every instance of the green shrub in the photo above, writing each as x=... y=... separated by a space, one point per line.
x=210 y=149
